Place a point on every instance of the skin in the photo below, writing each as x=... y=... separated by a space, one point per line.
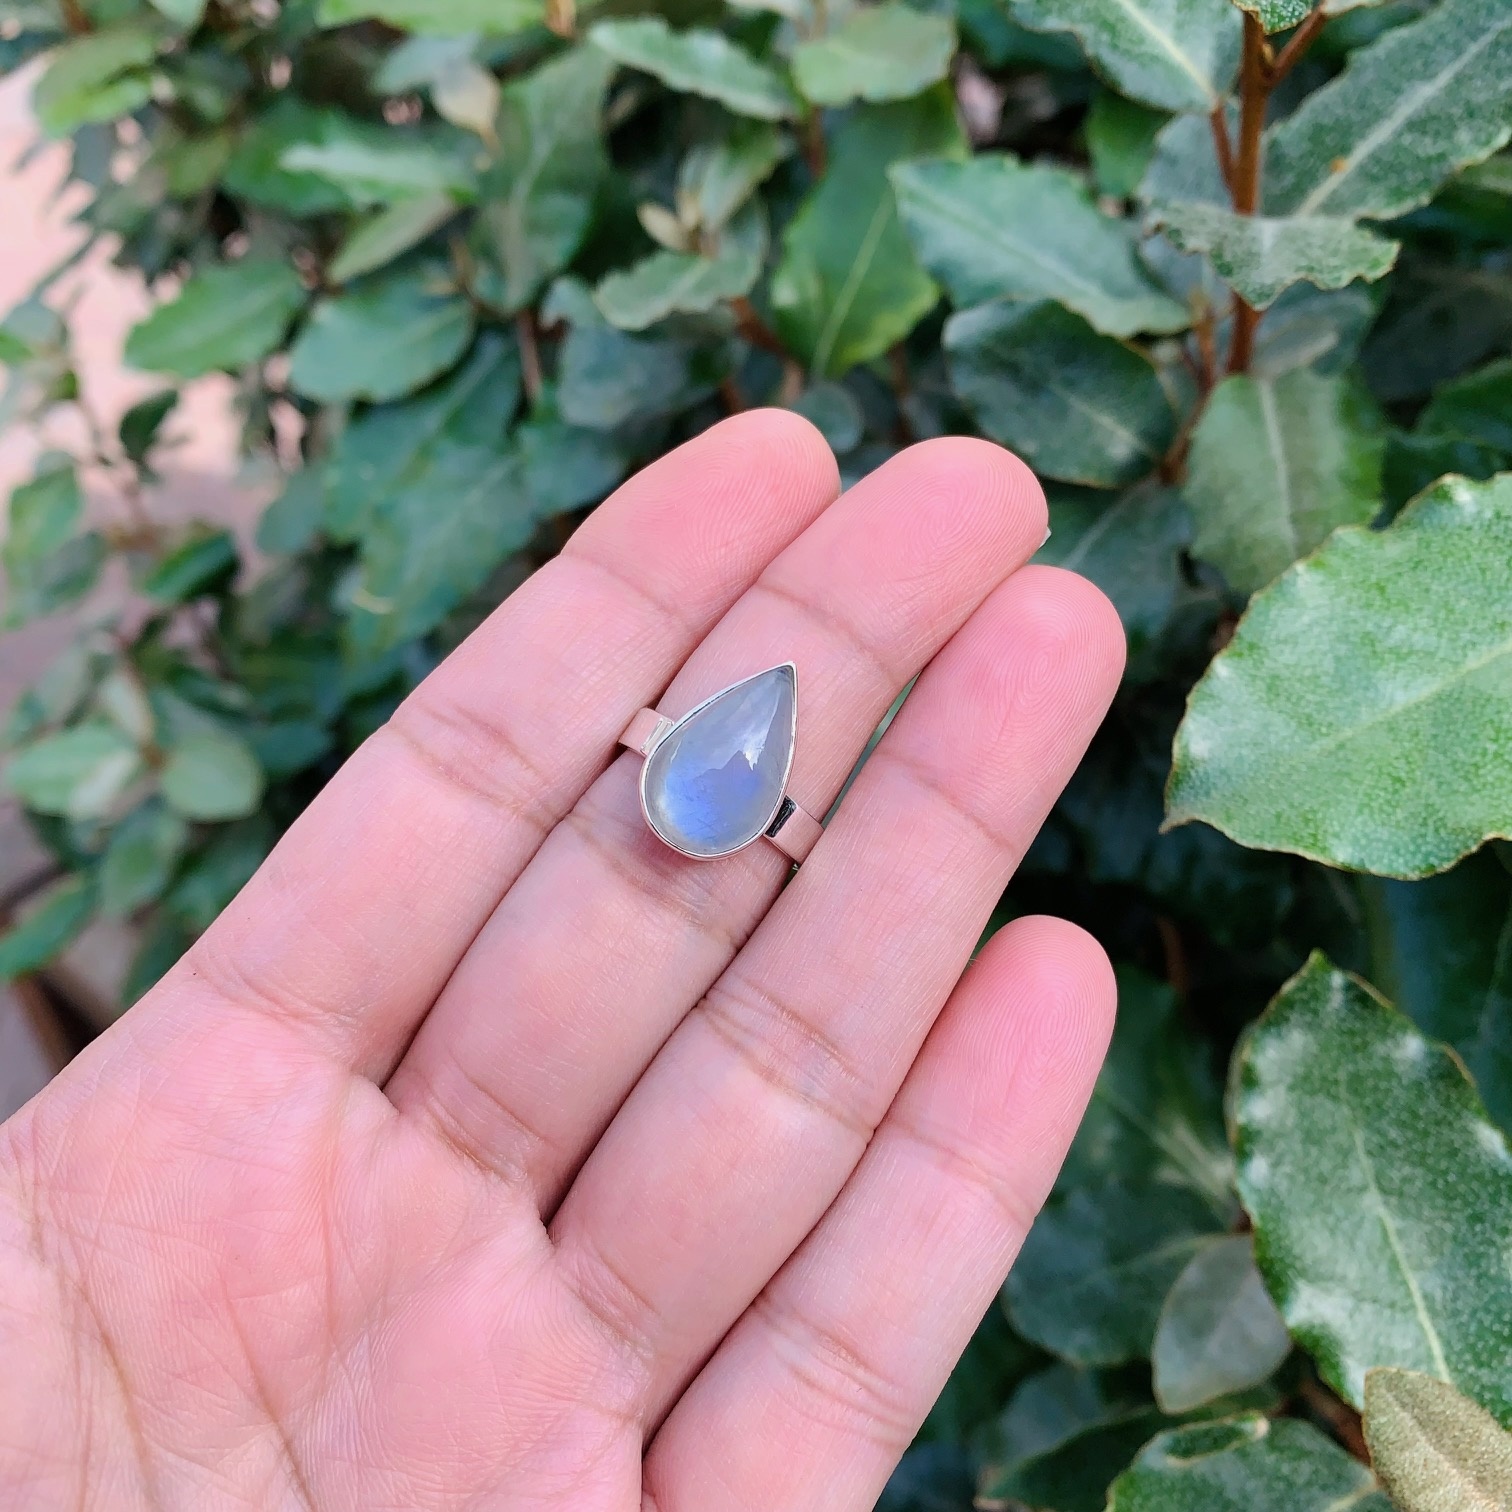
x=487 y=1154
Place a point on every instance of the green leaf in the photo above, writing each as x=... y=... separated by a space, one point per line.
x=1261 y=255
x=52 y=582
x=441 y=18
x=1275 y=466
x=538 y=199
x=44 y=513
x=185 y=14
x=667 y=283
x=1277 y=15
x=292 y=521
x=374 y=243
x=1441 y=950
x=255 y=170
x=881 y=52
x=848 y=285
x=1380 y=1193
x=214 y=873
x=994 y=227
x=1120 y=141
x=565 y=466
x=1247 y=1464
x=140 y=859
x=1308 y=327
x=1321 y=728
x=1130 y=546
x=1156 y=1112
x=1173 y=54
x=719 y=177
x=1219 y=1332
x=1089 y=1282
x=1063 y=1436
x=204 y=561
x=96 y=77
x=1477 y=407
x=226 y=316
x=381 y=341
x=610 y=378
x=388 y=171
x=1435 y=1450
x=1408 y=112
x=47 y=928
x=211 y=774
x=141 y=424
x=697 y=62
x=834 y=410
x=78 y=773
x=419 y=562
x=1076 y=405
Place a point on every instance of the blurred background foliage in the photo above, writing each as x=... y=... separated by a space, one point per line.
x=1237 y=282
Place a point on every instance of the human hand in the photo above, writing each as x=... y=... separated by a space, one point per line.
x=486 y=1153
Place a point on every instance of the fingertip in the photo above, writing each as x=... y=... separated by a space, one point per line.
x=957 y=471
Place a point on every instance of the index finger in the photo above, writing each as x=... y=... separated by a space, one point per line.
x=353 y=924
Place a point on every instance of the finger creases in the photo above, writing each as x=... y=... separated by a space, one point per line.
x=355 y=924
x=609 y=937
x=845 y=1350
x=754 y=1114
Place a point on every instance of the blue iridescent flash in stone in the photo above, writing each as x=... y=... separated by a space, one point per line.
x=716 y=781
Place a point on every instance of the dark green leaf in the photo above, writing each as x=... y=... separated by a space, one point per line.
x=1441 y=950
x=835 y=411
x=881 y=52
x=389 y=170
x=1260 y=256
x=717 y=178
x=52 y=582
x=256 y=173
x=384 y=340
x=292 y=521
x=848 y=285
x=1074 y=404
x=1248 y=1464
x=48 y=927
x=538 y=199
x=1435 y=1450
x=1409 y=111
x=211 y=774
x=140 y=859
x=1275 y=466
x=610 y=378
x=203 y=562
x=1089 y=1282
x=1131 y=547
x=1156 y=1112
x=376 y=242
x=225 y=316
x=1120 y=141
x=1219 y=1332
x=141 y=423
x=1380 y=1193
x=1173 y=54
x=994 y=227
x=697 y=62
x=1320 y=729
x=213 y=875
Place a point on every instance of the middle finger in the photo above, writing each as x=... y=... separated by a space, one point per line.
x=608 y=937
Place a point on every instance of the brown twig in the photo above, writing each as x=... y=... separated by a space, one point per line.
x=753 y=328
x=1222 y=145
x=1298 y=43
x=1254 y=94
x=814 y=150
x=1178 y=972
x=528 y=336
x=1341 y=1418
x=731 y=397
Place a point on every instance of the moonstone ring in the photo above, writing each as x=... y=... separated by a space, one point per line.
x=716 y=780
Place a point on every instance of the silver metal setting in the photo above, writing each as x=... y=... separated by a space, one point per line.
x=790 y=827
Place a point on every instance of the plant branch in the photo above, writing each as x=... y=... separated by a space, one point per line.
x=1222 y=145
x=527 y=336
x=1254 y=95
x=753 y=328
x=1291 y=54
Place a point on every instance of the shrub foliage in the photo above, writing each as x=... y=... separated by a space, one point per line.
x=1235 y=281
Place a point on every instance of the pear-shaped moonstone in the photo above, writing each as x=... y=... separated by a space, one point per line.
x=716 y=780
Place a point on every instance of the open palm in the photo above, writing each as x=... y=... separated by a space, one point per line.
x=488 y=1154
